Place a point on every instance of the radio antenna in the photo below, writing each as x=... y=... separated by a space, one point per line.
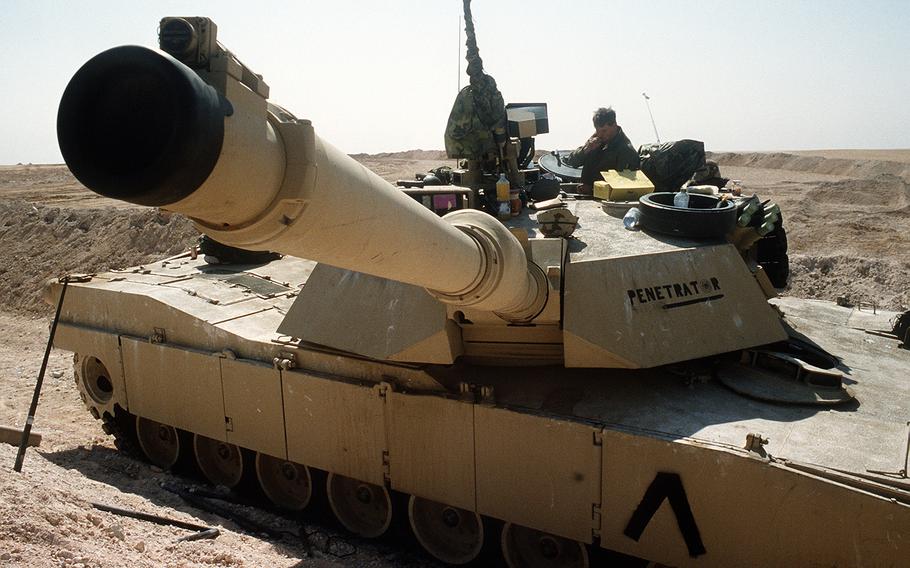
x=648 y=104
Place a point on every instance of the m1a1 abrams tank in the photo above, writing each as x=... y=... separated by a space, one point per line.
x=571 y=394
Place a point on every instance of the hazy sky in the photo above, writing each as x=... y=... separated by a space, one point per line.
x=378 y=76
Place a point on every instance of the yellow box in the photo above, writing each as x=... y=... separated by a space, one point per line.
x=625 y=185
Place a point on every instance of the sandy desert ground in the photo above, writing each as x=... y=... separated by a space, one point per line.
x=847 y=213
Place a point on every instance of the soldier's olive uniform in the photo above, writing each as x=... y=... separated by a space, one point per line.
x=618 y=154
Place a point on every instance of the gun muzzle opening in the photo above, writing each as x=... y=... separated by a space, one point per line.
x=134 y=124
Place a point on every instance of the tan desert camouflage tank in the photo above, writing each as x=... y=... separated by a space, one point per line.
x=557 y=395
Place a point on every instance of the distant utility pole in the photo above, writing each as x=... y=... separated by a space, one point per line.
x=647 y=98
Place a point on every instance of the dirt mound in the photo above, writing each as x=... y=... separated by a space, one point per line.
x=848 y=167
x=40 y=241
x=865 y=220
x=32 y=175
x=403 y=165
x=886 y=154
x=860 y=280
x=884 y=192
x=406 y=155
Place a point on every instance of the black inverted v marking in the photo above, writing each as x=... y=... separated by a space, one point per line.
x=667 y=486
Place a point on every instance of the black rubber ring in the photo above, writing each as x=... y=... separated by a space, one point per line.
x=705 y=218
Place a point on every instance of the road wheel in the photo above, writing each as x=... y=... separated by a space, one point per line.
x=362 y=508
x=528 y=548
x=159 y=442
x=287 y=484
x=221 y=463
x=453 y=535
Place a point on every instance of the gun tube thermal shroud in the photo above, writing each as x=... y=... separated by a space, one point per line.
x=137 y=125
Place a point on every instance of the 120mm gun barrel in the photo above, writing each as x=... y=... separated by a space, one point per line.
x=139 y=125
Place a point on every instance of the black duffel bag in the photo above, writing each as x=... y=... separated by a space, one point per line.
x=671 y=164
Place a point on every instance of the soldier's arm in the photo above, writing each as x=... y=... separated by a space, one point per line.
x=577 y=158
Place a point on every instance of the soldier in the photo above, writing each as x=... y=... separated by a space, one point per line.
x=607 y=149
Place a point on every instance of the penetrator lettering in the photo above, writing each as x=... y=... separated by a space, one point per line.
x=685 y=293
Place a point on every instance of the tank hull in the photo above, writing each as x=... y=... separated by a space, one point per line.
x=649 y=463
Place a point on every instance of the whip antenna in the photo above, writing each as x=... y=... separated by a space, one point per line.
x=648 y=104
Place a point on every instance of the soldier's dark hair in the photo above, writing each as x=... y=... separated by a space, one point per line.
x=604 y=116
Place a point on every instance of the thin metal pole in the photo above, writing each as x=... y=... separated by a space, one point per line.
x=201 y=531
x=648 y=104
x=459 y=67
x=34 y=407
x=459 y=53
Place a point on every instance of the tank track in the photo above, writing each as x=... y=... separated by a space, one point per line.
x=248 y=493
x=121 y=427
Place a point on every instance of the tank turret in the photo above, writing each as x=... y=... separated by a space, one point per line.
x=190 y=129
